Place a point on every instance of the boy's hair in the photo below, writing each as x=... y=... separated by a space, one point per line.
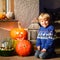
x=44 y=15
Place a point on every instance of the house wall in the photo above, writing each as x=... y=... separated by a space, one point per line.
x=25 y=11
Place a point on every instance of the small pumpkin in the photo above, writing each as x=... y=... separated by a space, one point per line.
x=15 y=42
x=2 y=15
x=23 y=48
x=18 y=33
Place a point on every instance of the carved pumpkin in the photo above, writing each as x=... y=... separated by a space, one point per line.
x=18 y=33
x=23 y=48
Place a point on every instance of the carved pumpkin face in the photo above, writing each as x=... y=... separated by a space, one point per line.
x=18 y=33
x=23 y=48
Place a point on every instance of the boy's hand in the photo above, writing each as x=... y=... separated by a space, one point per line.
x=38 y=47
x=43 y=50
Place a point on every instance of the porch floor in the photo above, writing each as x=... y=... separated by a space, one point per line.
x=26 y=58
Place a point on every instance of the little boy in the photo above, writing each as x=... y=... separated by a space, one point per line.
x=45 y=38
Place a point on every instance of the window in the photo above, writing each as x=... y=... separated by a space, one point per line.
x=6 y=5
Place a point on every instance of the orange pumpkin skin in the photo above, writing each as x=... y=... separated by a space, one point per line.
x=23 y=48
x=2 y=16
x=18 y=33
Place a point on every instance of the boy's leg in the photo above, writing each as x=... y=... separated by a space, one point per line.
x=37 y=53
x=43 y=55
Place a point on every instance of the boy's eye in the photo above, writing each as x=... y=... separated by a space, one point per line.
x=41 y=21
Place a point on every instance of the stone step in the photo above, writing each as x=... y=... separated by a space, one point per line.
x=57 y=21
x=57 y=51
x=57 y=30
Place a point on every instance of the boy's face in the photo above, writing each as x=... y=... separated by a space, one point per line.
x=44 y=22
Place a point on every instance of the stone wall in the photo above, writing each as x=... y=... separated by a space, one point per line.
x=26 y=10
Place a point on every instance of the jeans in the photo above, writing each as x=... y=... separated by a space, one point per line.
x=42 y=55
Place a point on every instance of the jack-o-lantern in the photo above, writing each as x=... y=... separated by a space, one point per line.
x=18 y=33
x=24 y=48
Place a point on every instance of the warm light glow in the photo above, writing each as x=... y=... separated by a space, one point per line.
x=8 y=25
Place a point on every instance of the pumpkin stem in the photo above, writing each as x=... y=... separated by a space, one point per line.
x=19 y=25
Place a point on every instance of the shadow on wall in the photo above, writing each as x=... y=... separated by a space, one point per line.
x=51 y=4
x=55 y=13
x=45 y=4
